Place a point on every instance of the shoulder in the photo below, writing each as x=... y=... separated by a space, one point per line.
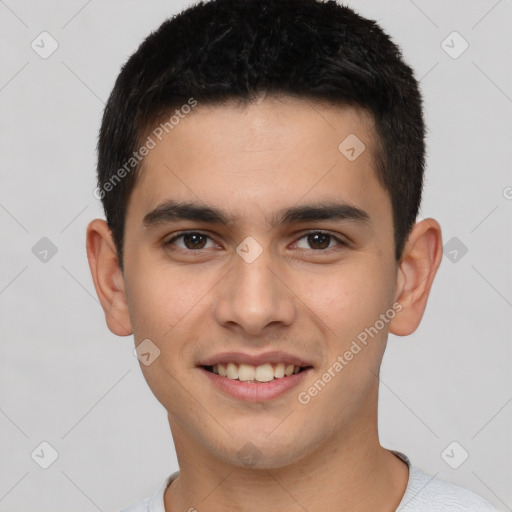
x=427 y=493
x=140 y=506
x=154 y=503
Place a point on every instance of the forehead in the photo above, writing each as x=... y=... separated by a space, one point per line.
x=272 y=153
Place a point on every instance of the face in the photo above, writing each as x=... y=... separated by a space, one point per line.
x=282 y=247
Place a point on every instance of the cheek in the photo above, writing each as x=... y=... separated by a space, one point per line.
x=348 y=298
x=165 y=298
x=165 y=305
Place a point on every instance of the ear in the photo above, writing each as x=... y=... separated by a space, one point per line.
x=107 y=276
x=420 y=260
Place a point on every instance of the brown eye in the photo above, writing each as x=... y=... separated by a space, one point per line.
x=190 y=241
x=319 y=241
x=194 y=241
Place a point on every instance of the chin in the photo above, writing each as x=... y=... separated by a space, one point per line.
x=262 y=452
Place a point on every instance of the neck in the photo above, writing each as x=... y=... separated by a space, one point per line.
x=349 y=471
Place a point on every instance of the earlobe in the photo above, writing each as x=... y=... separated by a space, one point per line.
x=420 y=260
x=107 y=277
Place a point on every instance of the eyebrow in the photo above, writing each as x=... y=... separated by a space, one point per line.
x=172 y=211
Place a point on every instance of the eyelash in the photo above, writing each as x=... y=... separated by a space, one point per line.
x=183 y=233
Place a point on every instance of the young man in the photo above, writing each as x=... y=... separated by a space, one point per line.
x=261 y=169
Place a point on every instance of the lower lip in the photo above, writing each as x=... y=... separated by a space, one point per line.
x=255 y=391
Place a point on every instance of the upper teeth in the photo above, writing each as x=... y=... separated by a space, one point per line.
x=263 y=373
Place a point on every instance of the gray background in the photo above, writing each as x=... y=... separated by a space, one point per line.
x=65 y=379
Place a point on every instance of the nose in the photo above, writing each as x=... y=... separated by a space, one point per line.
x=254 y=297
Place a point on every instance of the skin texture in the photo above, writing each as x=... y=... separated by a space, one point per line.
x=311 y=302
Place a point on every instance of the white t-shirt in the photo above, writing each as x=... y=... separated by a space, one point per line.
x=424 y=493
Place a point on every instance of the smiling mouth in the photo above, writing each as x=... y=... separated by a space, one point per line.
x=255 y=374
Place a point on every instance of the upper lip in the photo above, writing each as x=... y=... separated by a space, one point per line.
x=254 y=359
